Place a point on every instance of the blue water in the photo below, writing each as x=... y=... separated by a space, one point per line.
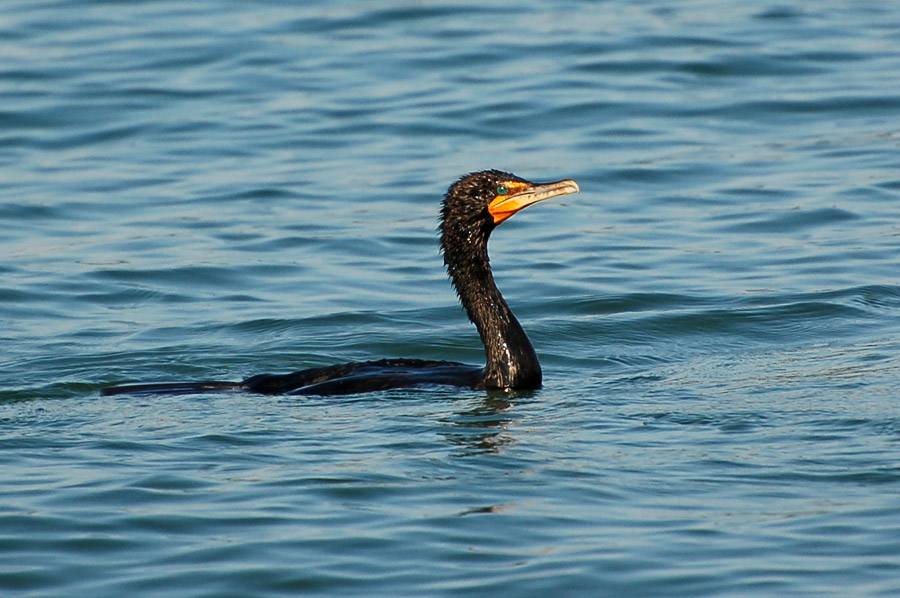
x=214 y=189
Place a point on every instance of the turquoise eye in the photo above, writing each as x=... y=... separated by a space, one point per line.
x=502 y=190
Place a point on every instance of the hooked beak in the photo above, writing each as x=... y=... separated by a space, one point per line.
x=522 y=195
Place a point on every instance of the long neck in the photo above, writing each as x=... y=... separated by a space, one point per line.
x=511 y=360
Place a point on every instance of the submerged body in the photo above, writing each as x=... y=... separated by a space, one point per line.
x=346 y=378
x=472 y=208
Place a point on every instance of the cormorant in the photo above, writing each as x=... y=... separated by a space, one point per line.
x=473 y=206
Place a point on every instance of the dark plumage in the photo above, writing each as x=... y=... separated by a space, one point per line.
x=473 y=206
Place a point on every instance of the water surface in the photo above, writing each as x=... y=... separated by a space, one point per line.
x=217 y=189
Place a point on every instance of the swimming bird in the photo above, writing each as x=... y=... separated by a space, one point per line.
x=473 y=207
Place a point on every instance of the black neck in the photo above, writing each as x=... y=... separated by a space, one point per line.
x=511 y=360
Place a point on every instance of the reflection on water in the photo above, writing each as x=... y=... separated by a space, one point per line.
x=485 y=428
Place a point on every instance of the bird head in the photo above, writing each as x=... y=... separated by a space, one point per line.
x=482 y=200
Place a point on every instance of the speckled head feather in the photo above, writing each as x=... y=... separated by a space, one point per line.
x=467 y=200
x=466 y=223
